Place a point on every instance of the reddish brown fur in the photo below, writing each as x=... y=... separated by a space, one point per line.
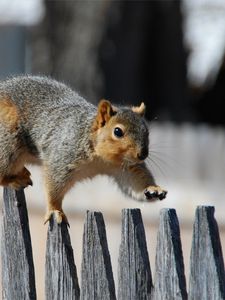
x=16 y=175
x=8 y=113
x=106 y=146
x=105 y=112
x=22 y=179
x=142 y=178
x=115 y=151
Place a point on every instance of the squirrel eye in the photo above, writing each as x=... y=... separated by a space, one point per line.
x=118 y=132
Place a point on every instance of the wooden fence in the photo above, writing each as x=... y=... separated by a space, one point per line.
x=207 y=277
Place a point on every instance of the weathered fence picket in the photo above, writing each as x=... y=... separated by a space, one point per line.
x=207 y=276
x=60 y=271
x=134 y=274
x=169 y=267
x=96 y=275
x=18 y=280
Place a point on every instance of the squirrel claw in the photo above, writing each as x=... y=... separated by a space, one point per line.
x=58 y=215
x=30 y=182
x=155 y=192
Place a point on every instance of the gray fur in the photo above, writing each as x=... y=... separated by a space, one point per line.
x=55 y=130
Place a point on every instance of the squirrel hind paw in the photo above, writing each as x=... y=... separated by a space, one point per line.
x=21 y=180
x=17 y=185
x=59 y=216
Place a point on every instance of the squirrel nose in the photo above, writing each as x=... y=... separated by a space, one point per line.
x=143 y=154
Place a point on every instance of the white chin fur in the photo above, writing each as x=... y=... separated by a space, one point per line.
x=137 y=196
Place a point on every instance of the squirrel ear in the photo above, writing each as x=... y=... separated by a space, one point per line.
x=105 y=112
x=139 y=109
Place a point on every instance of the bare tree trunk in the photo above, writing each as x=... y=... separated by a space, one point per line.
x=65 y=45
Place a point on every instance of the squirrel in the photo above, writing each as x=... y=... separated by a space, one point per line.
x=45 y=122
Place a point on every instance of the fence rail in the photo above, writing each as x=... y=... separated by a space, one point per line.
x=207 y=276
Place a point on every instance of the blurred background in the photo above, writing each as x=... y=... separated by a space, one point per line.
x=169 y=54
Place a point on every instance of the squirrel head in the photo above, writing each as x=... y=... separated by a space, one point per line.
x=120 y=135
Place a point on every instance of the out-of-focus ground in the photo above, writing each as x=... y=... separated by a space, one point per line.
x=188 y=162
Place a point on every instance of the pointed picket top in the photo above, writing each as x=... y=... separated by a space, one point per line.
x=134 y=273
x=18 y=280
x=169 y=281
x=61 y=281
x=207 y=277
x=96 y=275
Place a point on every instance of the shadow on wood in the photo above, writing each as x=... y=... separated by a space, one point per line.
x=207 y=277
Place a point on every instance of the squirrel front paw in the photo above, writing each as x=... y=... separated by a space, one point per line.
x=154 y=193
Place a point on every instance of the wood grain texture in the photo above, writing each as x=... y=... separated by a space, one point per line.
x=61 y=281
x=207 y=278
x=134 y=274
x=207 y=275
x=18 y=280
x=169 y=267
x=97 y=281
